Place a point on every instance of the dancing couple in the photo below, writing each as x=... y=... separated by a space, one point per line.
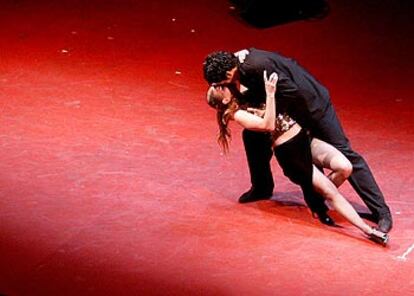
x=298 y=124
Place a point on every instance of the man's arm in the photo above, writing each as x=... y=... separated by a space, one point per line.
x=293 y=100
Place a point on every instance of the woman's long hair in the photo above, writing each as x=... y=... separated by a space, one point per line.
x=225 y=112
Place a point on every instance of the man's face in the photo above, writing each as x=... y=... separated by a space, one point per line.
x=231 y=79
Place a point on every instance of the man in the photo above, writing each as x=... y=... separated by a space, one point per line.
x=312 y=107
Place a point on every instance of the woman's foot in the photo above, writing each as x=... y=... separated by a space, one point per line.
x=324 y=218
x=378 y=236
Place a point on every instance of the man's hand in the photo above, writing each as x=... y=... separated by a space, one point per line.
x=256 y=111
x=242 y=54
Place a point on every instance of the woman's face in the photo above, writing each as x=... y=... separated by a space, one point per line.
x=224 y=93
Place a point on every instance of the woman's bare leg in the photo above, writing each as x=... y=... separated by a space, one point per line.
x=327 y=156
x=328 y=190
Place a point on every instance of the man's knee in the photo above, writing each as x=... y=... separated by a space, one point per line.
x=252 y=136
x=257 y=144
x=355 y=159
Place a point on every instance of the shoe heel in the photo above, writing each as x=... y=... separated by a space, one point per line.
x=379 y=237
x=324 y=218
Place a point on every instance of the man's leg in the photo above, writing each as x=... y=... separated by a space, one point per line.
x=329 y=129
x=258 y=147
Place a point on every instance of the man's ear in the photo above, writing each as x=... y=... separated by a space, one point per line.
x=230 y=73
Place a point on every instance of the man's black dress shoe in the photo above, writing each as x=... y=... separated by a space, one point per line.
x=385 y=222
x=252 y=196
x=324 y=218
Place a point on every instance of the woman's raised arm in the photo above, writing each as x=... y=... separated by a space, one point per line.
x=267 y=122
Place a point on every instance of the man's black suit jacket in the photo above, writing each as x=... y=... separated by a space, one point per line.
x=298 y=93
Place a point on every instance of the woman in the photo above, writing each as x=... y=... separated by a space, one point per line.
x=296 y=154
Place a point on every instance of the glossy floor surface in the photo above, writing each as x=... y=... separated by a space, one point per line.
x=111 y=182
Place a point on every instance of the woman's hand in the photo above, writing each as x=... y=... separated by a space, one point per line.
x=270 y=83
x=267 y=122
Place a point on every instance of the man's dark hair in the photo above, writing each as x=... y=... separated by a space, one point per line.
x=216 y=65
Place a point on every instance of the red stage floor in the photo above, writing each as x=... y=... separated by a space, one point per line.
x=111 y=179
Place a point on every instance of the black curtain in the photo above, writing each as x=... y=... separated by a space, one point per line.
x=267 y=13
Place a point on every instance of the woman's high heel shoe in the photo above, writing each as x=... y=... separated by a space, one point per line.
x=378 y=236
